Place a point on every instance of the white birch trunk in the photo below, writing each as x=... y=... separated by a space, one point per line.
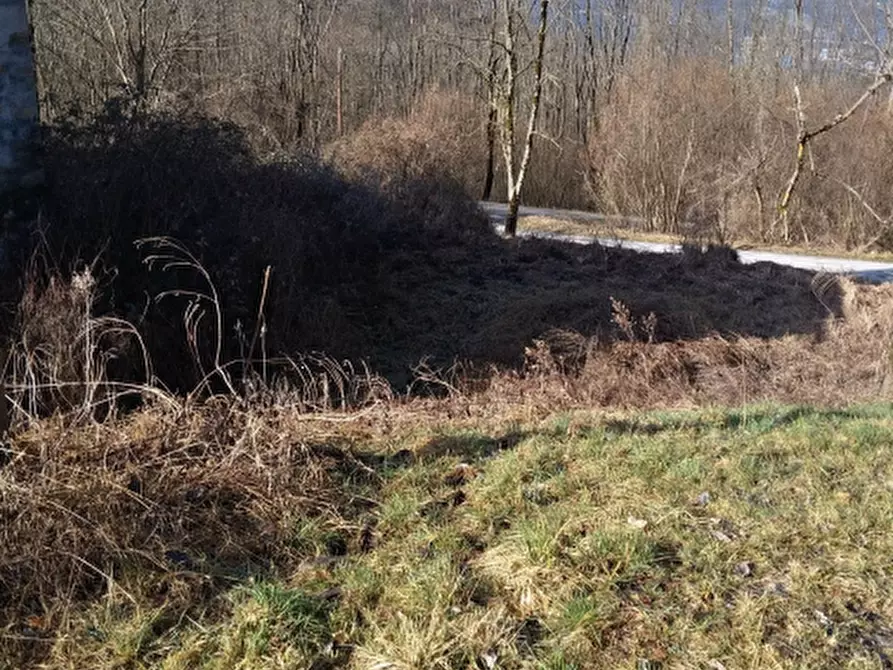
x=515 y=179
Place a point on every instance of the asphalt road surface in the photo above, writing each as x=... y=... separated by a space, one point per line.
x=872 y=271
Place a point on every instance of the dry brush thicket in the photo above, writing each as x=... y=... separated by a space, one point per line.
x=216 y=218
x=707 y=153
x=379 y=257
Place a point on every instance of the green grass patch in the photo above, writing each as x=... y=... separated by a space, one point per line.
x=757 y=538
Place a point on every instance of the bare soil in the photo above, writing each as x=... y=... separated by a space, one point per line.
x=486 y=304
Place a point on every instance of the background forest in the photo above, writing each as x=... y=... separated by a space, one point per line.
x=679 y=112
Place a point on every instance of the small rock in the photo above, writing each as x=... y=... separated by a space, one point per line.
x=636 y=523
x=713 y=664
x=488 y=660
x=825 y=622
x=744 y=569
x=723 y=530
x=703 y=499
x=822 y=617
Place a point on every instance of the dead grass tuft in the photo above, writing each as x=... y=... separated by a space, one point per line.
x=65 y=358
x=848 y=361
x=170 y=506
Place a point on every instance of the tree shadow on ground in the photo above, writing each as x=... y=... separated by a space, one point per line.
x=469 y=447
x=487 y=303
x=387 y=270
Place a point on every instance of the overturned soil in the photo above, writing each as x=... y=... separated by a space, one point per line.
x=487 y=303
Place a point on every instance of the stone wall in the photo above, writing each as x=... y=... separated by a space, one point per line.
x=20 y=175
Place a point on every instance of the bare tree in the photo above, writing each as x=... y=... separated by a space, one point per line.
x=492 y=100
x=120 y=48
x=805 y=135
x=654 y=91
x=515 y=175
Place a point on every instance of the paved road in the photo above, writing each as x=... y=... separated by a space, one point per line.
x=872 y=271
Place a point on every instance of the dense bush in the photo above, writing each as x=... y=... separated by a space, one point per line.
x=120 y=179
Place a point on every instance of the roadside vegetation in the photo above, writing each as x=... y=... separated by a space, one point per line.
x=277 y=395
x=321 y=416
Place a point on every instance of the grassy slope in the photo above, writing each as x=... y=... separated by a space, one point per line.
x=715 y=539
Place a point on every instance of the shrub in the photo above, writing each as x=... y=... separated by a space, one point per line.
x=120 y=179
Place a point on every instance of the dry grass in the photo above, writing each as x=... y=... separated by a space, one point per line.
x=846 y=362
x=404 y=538
x=440 y=533
x=166 y=507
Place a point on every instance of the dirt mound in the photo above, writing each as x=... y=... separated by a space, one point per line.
x=845 y=362
x=486 y=304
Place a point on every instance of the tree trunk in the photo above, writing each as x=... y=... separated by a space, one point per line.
x=339 y=95
x=511 y=216
x=20 y=175
x=493 y=104
x=516 y=182
x=492 y=119
x=508 y=111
